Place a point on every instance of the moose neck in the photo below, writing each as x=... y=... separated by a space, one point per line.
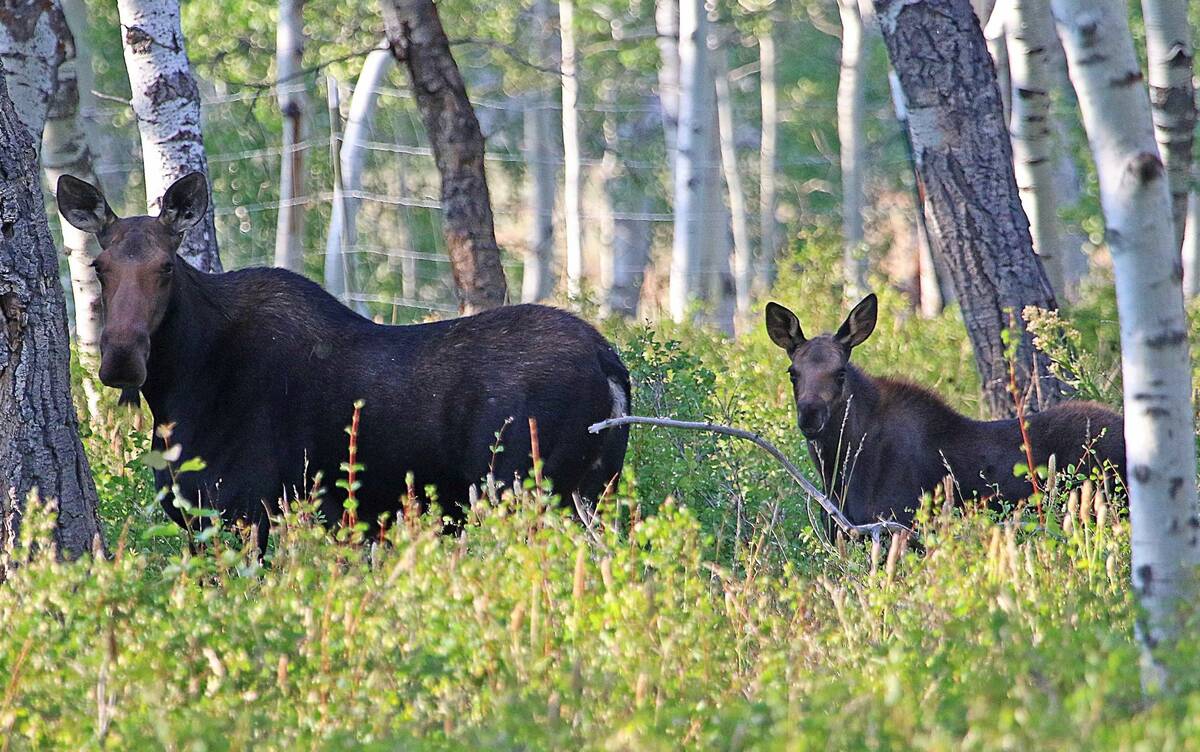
x=848 y=424
x=181 y=347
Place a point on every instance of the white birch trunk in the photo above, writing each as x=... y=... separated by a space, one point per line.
x=340 y=247
x=572 y=158
x=1191 y=248
x=933 y=299
x=1172 y=97
x=66 y=150
x=691 y=152
x=101 y=141
x=293 y=104
x=1029 y=29
x=715 y=252
x=742 y=266
x=768 y=230
x=32 y=48
x=666 y=25
x=850 y=103
x=1159 y=429
x=625 y=233
x=166 y=102
x=537 y=281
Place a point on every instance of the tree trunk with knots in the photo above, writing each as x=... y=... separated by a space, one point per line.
x=419 y=42
x=39 y=431
x=964 y=159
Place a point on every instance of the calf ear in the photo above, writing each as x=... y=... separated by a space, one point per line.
x=859 y=324
x=83 y=205
x=784 y=328
x=185 y=202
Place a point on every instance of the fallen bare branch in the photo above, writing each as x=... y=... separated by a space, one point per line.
x=839 y=518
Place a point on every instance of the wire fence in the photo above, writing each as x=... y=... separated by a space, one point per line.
x=398 y=268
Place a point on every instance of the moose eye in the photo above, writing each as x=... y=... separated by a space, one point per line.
x=167 y=269
x=840 y=378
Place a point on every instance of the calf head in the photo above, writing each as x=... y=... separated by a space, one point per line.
x=136 y=267
x=818 y=365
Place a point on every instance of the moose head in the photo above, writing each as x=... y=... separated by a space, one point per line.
x=819 y=365
x=136 y=267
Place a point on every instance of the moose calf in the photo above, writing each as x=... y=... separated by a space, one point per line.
x=881 y=443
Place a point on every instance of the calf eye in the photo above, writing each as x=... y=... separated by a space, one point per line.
x=840 y=378
x=167 y=269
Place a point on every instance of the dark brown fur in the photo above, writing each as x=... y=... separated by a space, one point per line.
x=258 y=371
x=881 y=443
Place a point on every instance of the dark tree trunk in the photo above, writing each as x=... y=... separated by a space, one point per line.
x=419 y=42
x=964 y=158
x=39 y=432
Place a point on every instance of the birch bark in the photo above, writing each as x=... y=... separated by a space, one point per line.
x=572 y=167
x=293 y=104
x=1029 y=29
x=537 y=282
x=691 y=140
x=1172 y=98
x=1159 y=429
x=341 y=251
x=166 y=102
x=850 y=102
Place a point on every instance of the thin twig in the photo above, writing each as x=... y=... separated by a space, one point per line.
x=806 y=485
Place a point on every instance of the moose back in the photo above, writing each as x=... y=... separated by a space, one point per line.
x=257 y=372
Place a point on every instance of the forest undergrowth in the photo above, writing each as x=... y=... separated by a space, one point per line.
x=699 y=611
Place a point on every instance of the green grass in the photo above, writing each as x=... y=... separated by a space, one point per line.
x=704 y=614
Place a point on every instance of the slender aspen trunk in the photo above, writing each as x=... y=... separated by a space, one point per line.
x=850 y=104
x=101 y=141
x=690 y=142
x=166 y=102
x=666 y=25
x=1159 y=428
x=964 y=158
x=995 y=25
x=418 y=40
x=65 y=150
x=341 y=253
x=293 y=104
x=768 y=231
x=1191 y=248
x=929 y=280
x=1172 y=98
x=1031 y=41
x=625 y=231
x=39 y=431
x=572 y=157
x=537 y=282
x=715 y=252
x=742 y=265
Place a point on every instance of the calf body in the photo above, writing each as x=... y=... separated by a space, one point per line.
x=257 y=372
x=881 y=443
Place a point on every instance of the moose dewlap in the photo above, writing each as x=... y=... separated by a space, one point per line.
x=258 y=372
x=881 y=443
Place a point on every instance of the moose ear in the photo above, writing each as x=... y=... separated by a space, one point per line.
x=83 y=205
x=185 y=202
x=859 y=324
x=784 y=328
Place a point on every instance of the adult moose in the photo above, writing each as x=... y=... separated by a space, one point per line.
x=881 y=443
x=258 y=370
